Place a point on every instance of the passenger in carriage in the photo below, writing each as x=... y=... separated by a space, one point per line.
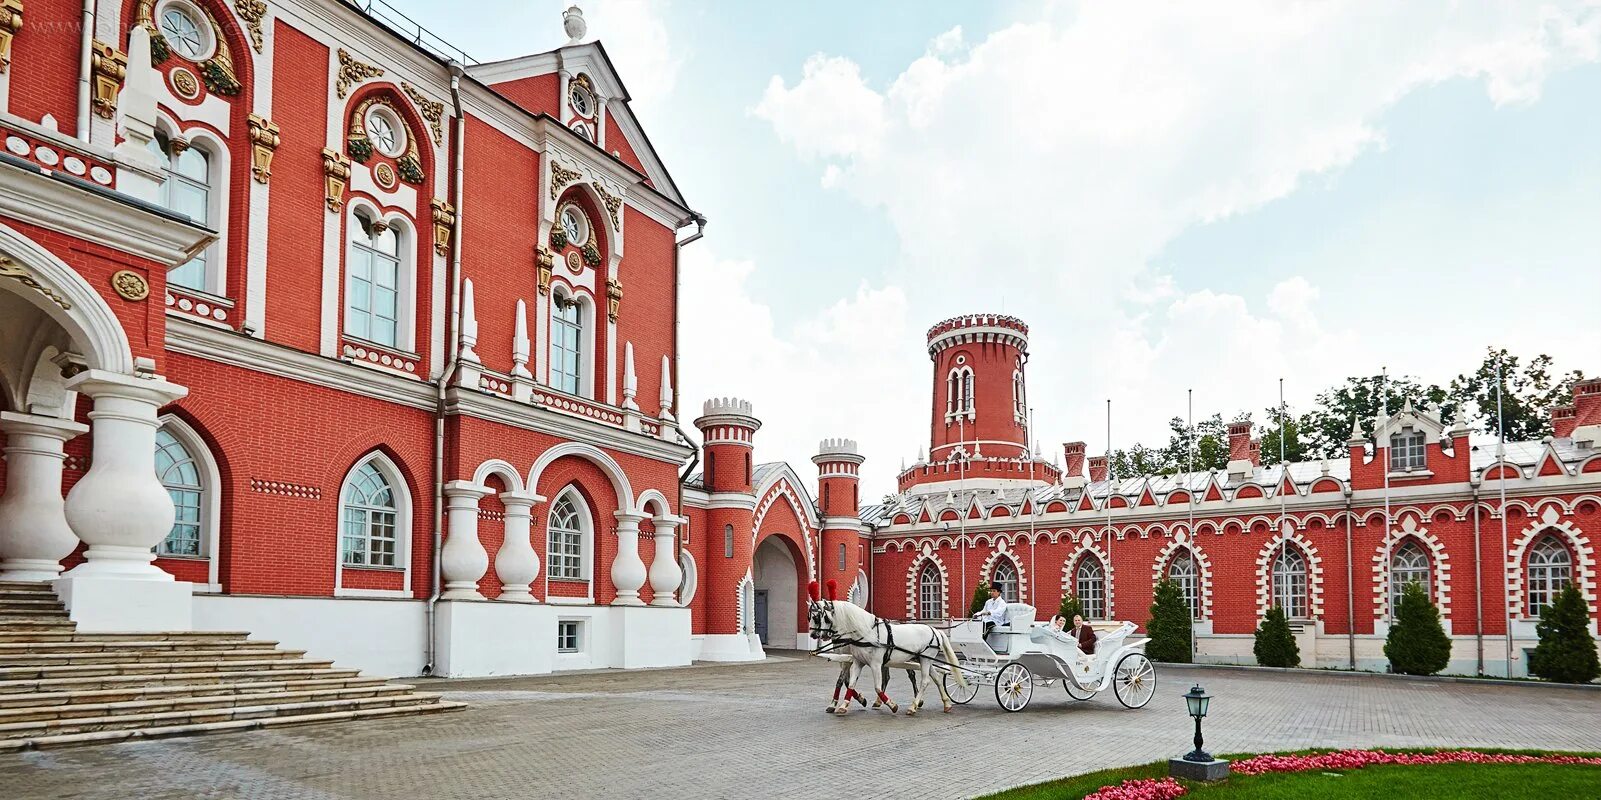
x=1084 y=635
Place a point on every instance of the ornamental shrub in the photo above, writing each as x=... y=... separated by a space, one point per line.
x=981 y=595
x=1070 y=606
x=1275 y=645
x=1169 y=627
x=1566 y=652
x=1417 y=644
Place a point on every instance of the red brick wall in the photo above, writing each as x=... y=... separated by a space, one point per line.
x=44 y=63
x=650 y=301
x=539 y=94
x=295 y=221
x=500 y=223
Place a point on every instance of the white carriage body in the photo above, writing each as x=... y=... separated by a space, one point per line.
x=1045 y=654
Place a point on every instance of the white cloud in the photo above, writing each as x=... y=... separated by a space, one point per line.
x=853 y=123
x=635 y=35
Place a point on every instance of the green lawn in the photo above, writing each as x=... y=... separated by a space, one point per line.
x=1433 y=782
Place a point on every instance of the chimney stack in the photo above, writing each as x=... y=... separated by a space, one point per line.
x=1097 y=468
x=1241 y=453
x=1074 y=452
x=1563 y=420
x=1587 y=413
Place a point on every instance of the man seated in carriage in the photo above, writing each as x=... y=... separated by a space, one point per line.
x=994 y=613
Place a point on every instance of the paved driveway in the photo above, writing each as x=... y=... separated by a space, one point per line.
x=758 y=731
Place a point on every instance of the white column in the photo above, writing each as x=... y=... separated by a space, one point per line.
x=516 y=564
x=462 y=560
x=34 y=534
x=665 y=574
x=627 y=570
x=119 y=508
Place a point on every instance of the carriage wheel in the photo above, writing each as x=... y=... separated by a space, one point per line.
x=1077 y=692
x=1135 y=681
x=1014 y=686
x=958 y=694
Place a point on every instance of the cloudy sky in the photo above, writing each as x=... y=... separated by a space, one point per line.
x=1172 y=196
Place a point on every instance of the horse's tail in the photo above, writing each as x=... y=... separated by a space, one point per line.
x=950 y=657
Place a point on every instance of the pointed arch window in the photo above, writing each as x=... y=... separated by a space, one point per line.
x=1289 y=582
x=1089 y=584
x=566 y=540
x=368 y=514
x=567 y=321
x=930 y=593
x=1004 y=578
x=1550 y=571
x=1408 y=564
x=180 y=475
x=1181 y=571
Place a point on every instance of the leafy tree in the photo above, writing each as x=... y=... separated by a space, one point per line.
x=1327 y=427
x=1275 y=644
x=1070 y=608
x=1566 y=652
x=1169 y=627
x=1282 y=423
x=1417 y=644
x=981 y=595
x=1139 y=460
x=1527 y=394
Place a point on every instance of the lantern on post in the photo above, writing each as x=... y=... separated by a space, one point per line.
x=1198 y=765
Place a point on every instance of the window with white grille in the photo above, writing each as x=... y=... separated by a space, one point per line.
x=1407 y=451
x=1550 y=571
x=566 y=540
x=1289 y=582
x=1089 y=584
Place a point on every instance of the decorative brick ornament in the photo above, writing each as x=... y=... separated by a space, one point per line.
x=130 y=285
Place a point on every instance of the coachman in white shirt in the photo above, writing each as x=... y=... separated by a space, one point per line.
x=994 y=612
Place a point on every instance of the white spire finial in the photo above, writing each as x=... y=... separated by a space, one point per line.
x=469 y=322
x=666 y=412
x=630 y=380
x=519 y=343
x=573 y=23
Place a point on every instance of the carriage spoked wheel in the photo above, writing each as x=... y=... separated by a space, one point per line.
x=1077 y=692
x=1135 y=680
x=957 y=692
x=1014 y=687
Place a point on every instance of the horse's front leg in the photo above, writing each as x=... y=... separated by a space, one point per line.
x=880 y=678
x=848 y=675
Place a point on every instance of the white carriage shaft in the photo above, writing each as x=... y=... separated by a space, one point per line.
x=1021 y=655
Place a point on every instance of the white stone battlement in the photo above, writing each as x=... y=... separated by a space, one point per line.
x=728 y=405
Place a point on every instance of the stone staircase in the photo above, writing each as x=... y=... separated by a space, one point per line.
x=59 y=687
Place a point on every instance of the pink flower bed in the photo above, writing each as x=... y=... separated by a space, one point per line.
x=1167 y=788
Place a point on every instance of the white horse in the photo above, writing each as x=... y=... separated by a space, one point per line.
x=875 y=645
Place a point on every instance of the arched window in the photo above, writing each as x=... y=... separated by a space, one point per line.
x=374 y=283
x=368 y=513
x=1408 y=564
x=1019 y=400
x=930 y=593
x=1004 y=578
x=690 y=581
x=1089 y=584
x=566 y=546
x=728 y=541
x=858 y=593
x=566 y=344
x=842 y=555
x=186 y=191
x=180 y=474
x=967 y=392
x=1289 y=582
x=1407 y=450
x=1550 y=571
x=1181 y=571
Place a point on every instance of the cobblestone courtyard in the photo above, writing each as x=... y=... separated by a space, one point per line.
x=758 y=731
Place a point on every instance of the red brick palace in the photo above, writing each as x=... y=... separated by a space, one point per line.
x=313 y=327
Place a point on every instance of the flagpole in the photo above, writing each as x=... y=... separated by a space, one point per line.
x=1389 y=523
x=1189 y=493
x=961 y=489
x=1284 y=467
x=1500 y=458
x=1111 y=476
x=1028 y=436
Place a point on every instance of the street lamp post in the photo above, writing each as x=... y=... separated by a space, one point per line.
x=1198 y=765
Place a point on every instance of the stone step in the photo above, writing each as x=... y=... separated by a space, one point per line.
x=16 y=612
x=55 y=727
x=165 y=668
x=123 y=694
x=197 y=702
x=20 y=601
x=280 y=671
x=102 y=737
x=10 y=649
x=15 y=589
x=142 y=657
x=67 y=632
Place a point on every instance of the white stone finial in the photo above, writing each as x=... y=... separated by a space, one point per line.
x=139 y=174
x=469 y=322
x=630 y=381
x=666 y=413
x=572 y=21
x=520 y=344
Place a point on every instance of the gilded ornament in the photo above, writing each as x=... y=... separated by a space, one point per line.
x=185 y=83
x=130 y=285
x=263 y=141
x=431 y=110
x=14 y=271
x=560 y=176
x=614 y=297
x=352 y=72
x=384 y=174
x=410 y=168
x=10 y=25
x=575 y=264
x=444 y=224
x=591 y=253
x=252 y=12
x=544 y=259
x=109 y=67
x=336 y=172
x=613 y=204
x=143 y=14
x=558 y=238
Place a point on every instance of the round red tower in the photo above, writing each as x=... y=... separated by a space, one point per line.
x=838 y=470
x=729 y=427
x=979 y=404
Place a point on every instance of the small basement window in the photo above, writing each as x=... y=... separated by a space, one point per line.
x=568 y=636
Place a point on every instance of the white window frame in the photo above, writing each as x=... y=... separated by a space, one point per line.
x=1553 y=574
x=586 y=544
x=1189 y=583
x=405 y=275
x=959 y=400
x=396 y=125
x=1400 y=575
x=1092 y=602
x=577 y=628
x=925 y=603
x=1015 y=581
x=210 y=507
x=1412 y=448
x=691 y=579
x=561 y=293
x=403 y=510
x=217 y=184
x=202 y=23
x=1290 y=587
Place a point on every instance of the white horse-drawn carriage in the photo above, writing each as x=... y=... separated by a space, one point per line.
x=1021 y=655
